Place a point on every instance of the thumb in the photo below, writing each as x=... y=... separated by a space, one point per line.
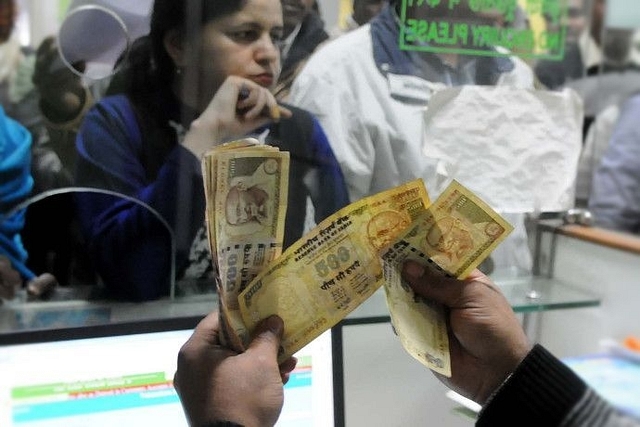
x=432 y=285
x=267 y=336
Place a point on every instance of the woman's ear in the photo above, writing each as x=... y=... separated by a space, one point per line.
x=174 y=45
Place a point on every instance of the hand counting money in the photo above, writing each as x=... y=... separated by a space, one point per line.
x=453 y=236
x=330 y=271
x=335 y=267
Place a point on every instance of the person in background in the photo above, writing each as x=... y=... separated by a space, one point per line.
x=304 y=31
x=615 y=194
x=492 y=363
x=370 y=97
x=176 y=97
x=363 y=11
x=64 y=99
x=15 y=187
x=17 y=93
x=591 y=48
x=582 y=47
x=42 y=94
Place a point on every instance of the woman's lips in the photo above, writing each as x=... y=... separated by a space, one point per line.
x=264 y=80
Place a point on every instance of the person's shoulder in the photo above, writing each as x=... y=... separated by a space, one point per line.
x=113 y=111
x=345 y=52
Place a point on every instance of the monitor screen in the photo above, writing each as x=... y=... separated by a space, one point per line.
x=126 y=380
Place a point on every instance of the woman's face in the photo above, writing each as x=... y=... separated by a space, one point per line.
x=243 y=44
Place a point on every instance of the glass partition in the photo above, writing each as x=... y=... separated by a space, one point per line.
x=56 y=243
x=504 y=96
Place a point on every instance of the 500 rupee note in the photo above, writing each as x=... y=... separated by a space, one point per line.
x=453 y=236
x=246 y=209
x=322 y=277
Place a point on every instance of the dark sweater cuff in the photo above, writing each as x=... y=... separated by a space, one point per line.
x=541 y=391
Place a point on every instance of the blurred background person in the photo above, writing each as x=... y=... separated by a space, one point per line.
x=303 y=31
x=370 y=96
x=582 y=51
x=363 y=11
x=44 y=96
x=615 y=197
x=15 y=187
x=176 y=97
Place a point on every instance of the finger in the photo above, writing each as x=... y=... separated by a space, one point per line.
x=254 y=110
x=273 y=108
x=247 y=94
x=431 y=285
x=267 y=336
x=286 y=368
x=285 y=112
x=256 y=101
x=288 y=365
x=42 y=285
x=208 y=329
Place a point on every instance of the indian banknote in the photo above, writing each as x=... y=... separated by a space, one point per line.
x=453 y=236
x=247 y=187
x=322 y=277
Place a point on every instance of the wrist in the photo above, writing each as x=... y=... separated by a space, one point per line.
x=541 y=390
x=500 y=375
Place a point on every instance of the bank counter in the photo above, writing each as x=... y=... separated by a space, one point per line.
x=585 y=289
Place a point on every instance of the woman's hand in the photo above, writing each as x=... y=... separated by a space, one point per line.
x=238 y=107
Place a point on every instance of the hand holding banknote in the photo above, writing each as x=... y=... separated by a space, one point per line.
x=486 y=339
x=326 y=274
x=451 y=237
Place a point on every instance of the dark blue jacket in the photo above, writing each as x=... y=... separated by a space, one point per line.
x=129 y=244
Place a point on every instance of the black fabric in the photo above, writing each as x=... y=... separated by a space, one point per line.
x=311 y=34
x=541 y=392
x=555 y=74
x=158 y=137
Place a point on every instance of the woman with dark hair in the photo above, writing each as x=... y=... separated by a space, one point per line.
x=201 y=77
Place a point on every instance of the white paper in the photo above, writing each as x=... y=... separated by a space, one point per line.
x=516 y=148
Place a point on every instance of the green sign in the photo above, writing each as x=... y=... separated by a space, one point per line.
x=484 y=27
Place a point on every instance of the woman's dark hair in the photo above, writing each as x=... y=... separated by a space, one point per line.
x=148 y=66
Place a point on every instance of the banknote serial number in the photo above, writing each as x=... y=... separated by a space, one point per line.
x=232 y=271
x=333 y=261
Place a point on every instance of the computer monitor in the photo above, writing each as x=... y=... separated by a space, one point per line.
x=121 y=375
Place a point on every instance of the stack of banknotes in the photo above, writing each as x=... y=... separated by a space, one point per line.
x=335 y=267
x=246 y=185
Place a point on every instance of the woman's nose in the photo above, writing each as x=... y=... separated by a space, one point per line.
x=268 y=49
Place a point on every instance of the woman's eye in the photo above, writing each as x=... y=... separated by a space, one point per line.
x=277 y=39
x=248 y=35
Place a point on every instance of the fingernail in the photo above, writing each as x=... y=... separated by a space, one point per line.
x=274 y=324
x=413 y=269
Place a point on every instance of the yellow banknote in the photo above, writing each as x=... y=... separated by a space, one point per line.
x=208 y=165
x=322 y=277
x=247 y=189
x=453 y=236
